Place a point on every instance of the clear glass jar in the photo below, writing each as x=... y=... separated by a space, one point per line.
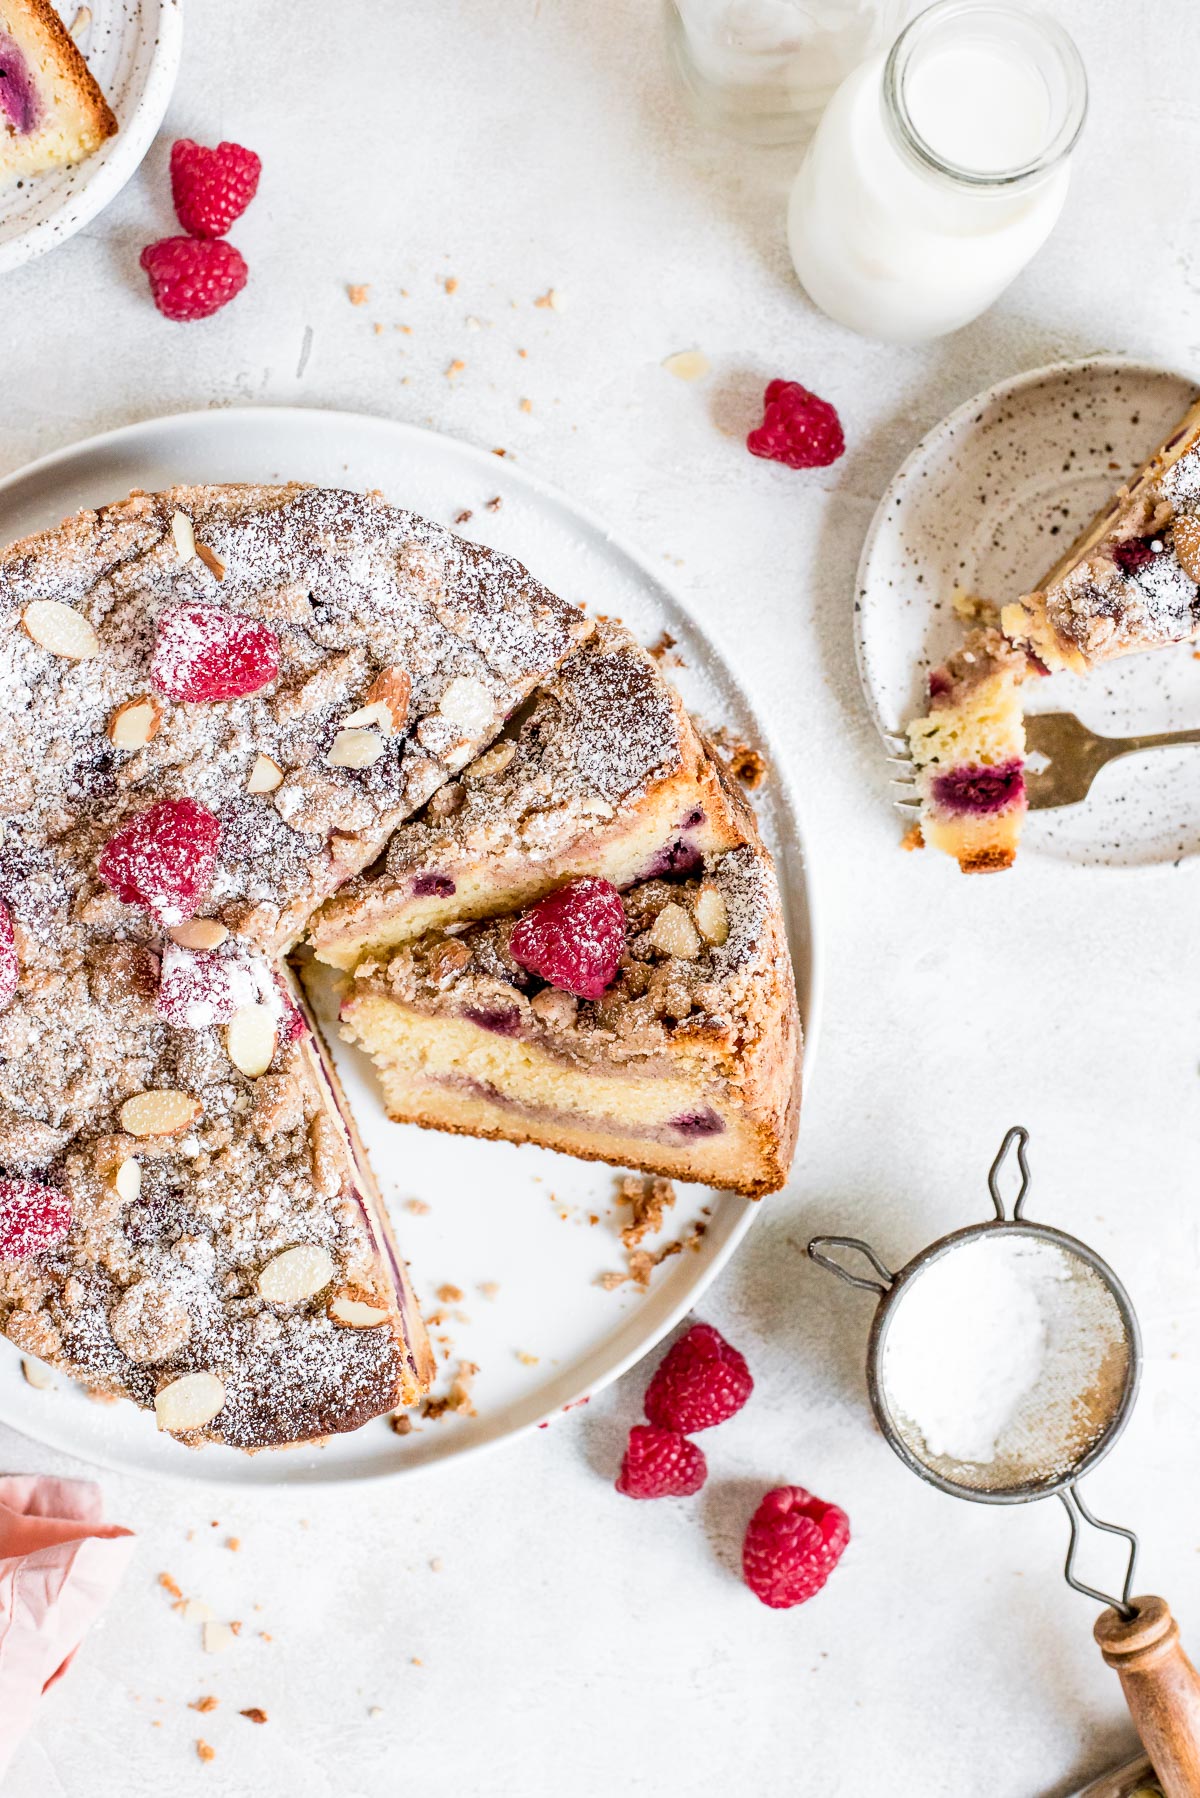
x=938 y=170
x=763 y=70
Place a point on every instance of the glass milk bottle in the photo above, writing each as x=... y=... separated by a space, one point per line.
x=938 y=169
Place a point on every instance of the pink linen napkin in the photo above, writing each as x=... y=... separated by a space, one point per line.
x=59 y=1566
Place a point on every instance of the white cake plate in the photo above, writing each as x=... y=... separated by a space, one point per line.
x=132 y=48
x=988 y=501
x=523 y=1234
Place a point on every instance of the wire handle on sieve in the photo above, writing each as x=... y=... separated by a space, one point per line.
x=1019 y=1135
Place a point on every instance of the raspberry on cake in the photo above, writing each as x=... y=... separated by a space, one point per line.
x=1131 y=581
x=687 y=1064
x=969 y=754
x=603 y=774
x=52 y=113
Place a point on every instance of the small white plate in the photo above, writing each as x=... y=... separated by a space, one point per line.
x=987 y=502
x=132 y=48
x=520 y=1219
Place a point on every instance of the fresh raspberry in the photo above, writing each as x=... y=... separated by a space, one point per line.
x=211 y=188
x=10 y=966
x=797 y=428
x=574 y=937
x=32 y=1218
x=204 y=653
x=661 y=1464
x=700 y=1381
x=1133 y=553
x=164 y=858
x=193 y=278
x=793 y=1543
x=197 y=989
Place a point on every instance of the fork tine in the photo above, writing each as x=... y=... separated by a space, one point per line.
x=895 y=741
x=909 y=807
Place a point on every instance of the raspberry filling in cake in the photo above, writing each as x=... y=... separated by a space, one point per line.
x=979 y=791
x=18 y=96
x=684 y=1063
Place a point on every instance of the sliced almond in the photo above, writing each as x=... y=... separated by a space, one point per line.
x=378 y=716
x=392 y=687
x=194 y=1610
x=493 y=761
x=1186 y=539
x=712 y=916
x=164 y=1111
x=189 y=1402
x=60 y=629
x=356 y=1314
x=127 y=1181
x=687 y=365
x=467 y=704
x=355 y=749
x=250 y=1038
x=675 y=934
x=198 y=933
x=296 y=1274
x=37 y=1374
x=265 y=775
x=184 y=535
x=135 y=723
x=211 y=561
x=217 y=1637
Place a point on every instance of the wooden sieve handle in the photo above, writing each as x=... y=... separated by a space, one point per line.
x=1162 y=1689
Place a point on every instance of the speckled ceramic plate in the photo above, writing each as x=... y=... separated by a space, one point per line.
x=507 y=1244
x=132 y=48
x=987 y=502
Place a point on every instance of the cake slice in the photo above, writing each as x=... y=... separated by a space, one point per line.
x=602 y=773
x=969 y=754
x=52 y=113
x=684 y=1060
x=1131 y=581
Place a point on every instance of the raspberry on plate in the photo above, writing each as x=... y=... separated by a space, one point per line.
x=700 y=1381
x=203 y=653
x=661 y=1464
x=212 y=188
x=10 y=965
x=32 y=1218
x=192 y=277
x=793 y=1543
x=164 y=858
x=574 y=937
x=797 y=428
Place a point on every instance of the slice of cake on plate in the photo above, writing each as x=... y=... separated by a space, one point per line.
x=1131 y=581
x=52 y=113
x=969 y=754
x=654 y=1029
x=602 y=773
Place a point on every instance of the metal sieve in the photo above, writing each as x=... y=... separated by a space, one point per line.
x=1055 y=1437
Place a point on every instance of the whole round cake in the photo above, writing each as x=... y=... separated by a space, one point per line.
x=220 y=703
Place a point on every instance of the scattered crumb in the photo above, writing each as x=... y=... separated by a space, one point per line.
x=610 y=1282
x=494 y=505
x=450 y=1295
x=913 y=839
x=527 y=405
x=472 y=323
x=401 y=1422
x=455 y=368
x=450 y=284
x=358 y=292
x=687 y=365
x=168 y=1584
x=649 y=1198
x=973 y=608
x=489 y=1288
x=433 y=1408
x=416 y=1661
x=435 y=1566
x=233 y=1543
x=551 y=299
x=523 y=354
x=458 y=1398
x=205 y=1750
x=407 y=329
x=255 y=1713
x=499 y=452
x=642 y=1262
x=418 y=1207
x=463 y=517
x=374 y=1710
x=236 y=1627
x=207 y=1703
x=527 y=1360
x=661 y=644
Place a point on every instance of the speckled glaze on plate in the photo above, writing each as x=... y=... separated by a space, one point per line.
x=132 y=48
x=988 y=501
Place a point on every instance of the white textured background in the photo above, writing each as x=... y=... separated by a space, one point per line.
x=570 y=1643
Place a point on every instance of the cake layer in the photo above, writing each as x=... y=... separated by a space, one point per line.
x=687 y=1065
x=52 y=113
x=1131 y=581
x=603 y=773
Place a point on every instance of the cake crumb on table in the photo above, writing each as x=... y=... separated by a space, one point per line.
x=169 y=1585
x=358 y=292
x=255 y=1713
x=208 y=1702
x=205 y=1750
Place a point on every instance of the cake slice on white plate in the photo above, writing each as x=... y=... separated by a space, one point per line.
x=52 y=112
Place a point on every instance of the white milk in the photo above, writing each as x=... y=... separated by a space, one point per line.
x=937 y=173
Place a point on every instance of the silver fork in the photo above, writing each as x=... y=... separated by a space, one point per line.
x=1065 y=755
